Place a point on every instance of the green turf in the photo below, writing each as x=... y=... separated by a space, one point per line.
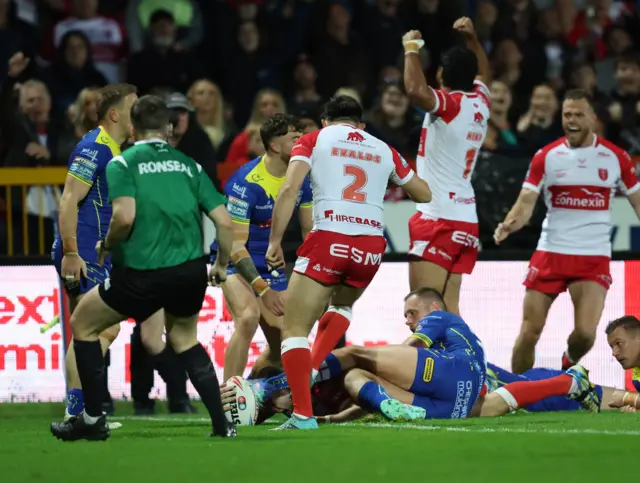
x=562 y=447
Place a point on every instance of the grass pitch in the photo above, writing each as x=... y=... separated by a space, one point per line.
x=549 y=447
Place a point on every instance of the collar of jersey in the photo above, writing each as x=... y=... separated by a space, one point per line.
x=150 y=141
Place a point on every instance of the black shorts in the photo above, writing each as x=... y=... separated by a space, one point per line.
x=138 y=294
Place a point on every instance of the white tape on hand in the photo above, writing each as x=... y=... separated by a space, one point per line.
x=418 y=42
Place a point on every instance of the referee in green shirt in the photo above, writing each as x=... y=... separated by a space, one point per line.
x=159 y=274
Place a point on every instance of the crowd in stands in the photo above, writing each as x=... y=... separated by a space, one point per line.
x=240 y=61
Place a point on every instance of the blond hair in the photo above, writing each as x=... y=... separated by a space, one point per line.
x=78 y=114
x=256 y=120
x=213 y=123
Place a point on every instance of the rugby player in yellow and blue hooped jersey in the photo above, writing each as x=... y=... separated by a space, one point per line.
x=623 y=335
x=84 y=216
x=252 y=290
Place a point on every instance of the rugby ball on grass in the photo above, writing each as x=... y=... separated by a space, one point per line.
x=244 y=411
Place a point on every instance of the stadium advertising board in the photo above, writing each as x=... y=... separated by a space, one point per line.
x=31 y=363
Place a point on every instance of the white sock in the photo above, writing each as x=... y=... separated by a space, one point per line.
x=314 y=376
x=89 y=419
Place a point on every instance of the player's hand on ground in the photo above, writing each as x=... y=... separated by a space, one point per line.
x=464 y=25
x=503 y=230
x=217 y=274
x=628 y=409
x=17 y=64
x=73 y=269
x=228 y=394
x=274 y=302
x=617 y=399
x=323 y=419
x=102 y=252
x=275 y=256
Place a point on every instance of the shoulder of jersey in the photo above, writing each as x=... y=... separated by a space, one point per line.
x=549 y=147
x=243 y=170
x=617 y=150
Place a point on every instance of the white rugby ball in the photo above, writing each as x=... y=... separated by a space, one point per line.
x=244 y=411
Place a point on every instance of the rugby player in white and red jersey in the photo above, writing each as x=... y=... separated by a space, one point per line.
x=444 y=233
x=349 y=171
x=578 y=176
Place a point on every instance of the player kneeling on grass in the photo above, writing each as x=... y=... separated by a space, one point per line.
x=159 y=272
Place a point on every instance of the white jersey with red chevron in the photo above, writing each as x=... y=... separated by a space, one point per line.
x=452 y=134
x=578 y=185
x=350 y=170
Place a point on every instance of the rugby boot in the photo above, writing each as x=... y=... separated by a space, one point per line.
x=397 y=411
x=76 y=428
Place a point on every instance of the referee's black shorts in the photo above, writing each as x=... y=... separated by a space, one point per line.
x=138 y=294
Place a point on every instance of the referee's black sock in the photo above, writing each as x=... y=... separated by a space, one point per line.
x=171 y=374
x=198 y=365
x=91 y=371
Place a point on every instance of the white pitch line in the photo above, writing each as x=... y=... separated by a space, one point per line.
x=419 y=427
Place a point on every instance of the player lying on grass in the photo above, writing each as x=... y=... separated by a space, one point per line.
x=437 y=377
x=623 y=335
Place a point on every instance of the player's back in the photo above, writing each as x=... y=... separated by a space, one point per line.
x=350 y=170
x=87 y=164
x=448 y=333
x=168 y=224
x=451 y=137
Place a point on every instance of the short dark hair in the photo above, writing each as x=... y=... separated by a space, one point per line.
x=159 y=15
x=459 y=68
x=150 y=113
x=628 y=56
x=427 y=294
x=111 y=95
x=576 y=95
x=278 y=125
x=627 y=322
x=342 y=108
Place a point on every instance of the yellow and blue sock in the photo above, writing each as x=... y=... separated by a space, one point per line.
x=75 y=402
x=372 y=395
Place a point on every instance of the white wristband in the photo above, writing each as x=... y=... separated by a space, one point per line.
x=418 y=42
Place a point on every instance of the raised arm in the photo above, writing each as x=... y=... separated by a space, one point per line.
x=415 y=82
x=464 y=25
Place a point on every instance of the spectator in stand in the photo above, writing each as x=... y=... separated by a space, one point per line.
x=556 y=48
x=186 y=15
x=500 y=139
x=80 y=119
x=305 y=96
x=338 y=53
x=105 y=35
x=349 y=91
x=621 y=112
x=539 y=126
x=162 y=63
x=486 y=17
x=583 y=77
x=15 y=35
x=249 y=69
x=617 y=40
x=29 y=131
x=507 y=66
x=246 y=145
x=71 y=71
x=392 y=120
x=189 y=137
x=383 y=29
x=207 y=100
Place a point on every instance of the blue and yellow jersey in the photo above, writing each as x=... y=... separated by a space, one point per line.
x=87 y=164
x=635 y=378
x=251 y=193
x=450 y=335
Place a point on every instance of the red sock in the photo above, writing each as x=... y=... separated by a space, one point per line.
x=529 y=392
x=332 y=326
x=296 y=360
x=566 y=362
